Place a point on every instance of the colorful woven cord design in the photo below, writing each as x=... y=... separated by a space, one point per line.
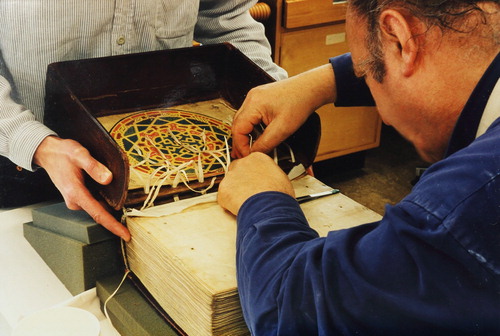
x=154 y=138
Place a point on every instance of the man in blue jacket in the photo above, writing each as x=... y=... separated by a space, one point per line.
x=431 y=266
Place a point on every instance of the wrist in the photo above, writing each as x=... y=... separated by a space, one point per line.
x=321 y=85
x=44 y=149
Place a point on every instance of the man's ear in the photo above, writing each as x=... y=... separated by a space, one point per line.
x=397 y=35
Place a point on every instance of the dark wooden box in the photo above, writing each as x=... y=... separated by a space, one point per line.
x=78 y=92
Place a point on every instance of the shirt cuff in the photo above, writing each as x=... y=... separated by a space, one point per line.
x=351 y=90
x=265 y=206
x=26 y=141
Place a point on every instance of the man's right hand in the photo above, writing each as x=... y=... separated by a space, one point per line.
x=248 y=176
x=66 y=162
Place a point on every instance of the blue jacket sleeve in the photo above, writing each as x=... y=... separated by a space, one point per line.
x=404 y=275
x=351 y=90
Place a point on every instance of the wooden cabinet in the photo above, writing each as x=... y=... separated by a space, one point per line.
x=304 y=34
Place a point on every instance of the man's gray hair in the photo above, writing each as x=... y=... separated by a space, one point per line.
x=445 y=14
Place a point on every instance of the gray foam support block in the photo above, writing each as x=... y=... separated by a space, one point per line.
x=130 y=313
x=78 y=265
x=75 y=224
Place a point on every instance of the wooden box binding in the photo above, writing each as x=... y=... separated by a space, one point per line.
x=80 y=93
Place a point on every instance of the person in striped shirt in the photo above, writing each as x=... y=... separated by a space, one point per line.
x=36 y=33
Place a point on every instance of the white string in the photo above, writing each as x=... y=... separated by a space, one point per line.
x=127 y=271
x=153 y=184
x=292 y=156
x=113 y=294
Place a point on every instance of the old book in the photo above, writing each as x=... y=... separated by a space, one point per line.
x=186 y=257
